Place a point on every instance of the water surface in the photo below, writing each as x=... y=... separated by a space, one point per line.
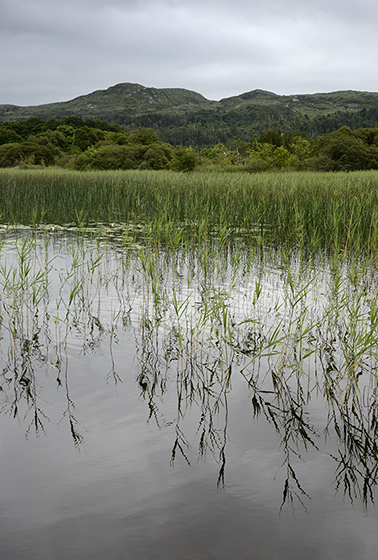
x=184 y=404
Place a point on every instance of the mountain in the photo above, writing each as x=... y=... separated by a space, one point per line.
x=185 y=117
x=110 y=104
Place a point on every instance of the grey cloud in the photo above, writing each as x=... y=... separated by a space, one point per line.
x=55 y=50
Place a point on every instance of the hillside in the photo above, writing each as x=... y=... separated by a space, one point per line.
x=185 y=117
x=110 y=104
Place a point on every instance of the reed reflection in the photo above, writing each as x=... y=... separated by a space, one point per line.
x=291 y=330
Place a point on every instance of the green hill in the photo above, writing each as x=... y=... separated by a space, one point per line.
x=185 y=117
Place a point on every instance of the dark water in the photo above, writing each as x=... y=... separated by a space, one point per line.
x=115 y=446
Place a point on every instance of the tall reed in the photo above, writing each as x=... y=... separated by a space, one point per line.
x=336 y=212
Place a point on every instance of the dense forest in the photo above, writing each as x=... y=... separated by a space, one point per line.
x=75 y=143
x=206 y=127
x=186 y=118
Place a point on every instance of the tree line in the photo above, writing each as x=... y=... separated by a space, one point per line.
x=206 y=126
x=80 y=144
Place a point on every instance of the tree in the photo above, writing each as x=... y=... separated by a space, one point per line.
x=184 y=159
x=85 y=137
x=144 y=136
x=27 y=153
x=7 y=136
x=346 y=150
x=113 y=157
x=157 y=156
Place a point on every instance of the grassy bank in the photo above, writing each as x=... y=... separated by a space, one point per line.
x=335 y=211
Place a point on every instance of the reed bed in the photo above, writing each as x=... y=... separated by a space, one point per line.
x=332 y=211
x=270 y=278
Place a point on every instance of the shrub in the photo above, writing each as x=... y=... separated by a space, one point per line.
x=114 y=157
x=27 y=153
x=184 y=159
x=157 y=156
x=7 y=136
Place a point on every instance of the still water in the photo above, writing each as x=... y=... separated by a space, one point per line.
x=164 y=405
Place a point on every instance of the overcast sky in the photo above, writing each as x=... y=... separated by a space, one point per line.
x=55 y=50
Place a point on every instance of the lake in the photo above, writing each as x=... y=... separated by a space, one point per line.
x=201 y=403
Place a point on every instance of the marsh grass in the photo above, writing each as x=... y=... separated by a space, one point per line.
x=336 y=212
x=269 y=278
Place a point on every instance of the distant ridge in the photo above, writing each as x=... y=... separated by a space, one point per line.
x=116 y=99
x=181 y=116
